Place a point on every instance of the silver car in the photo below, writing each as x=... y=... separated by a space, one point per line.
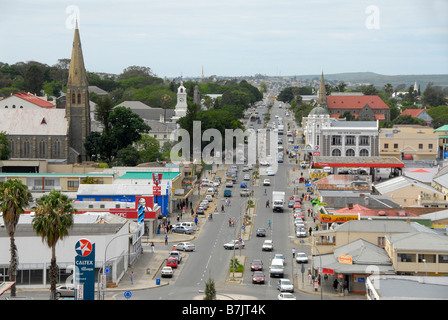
x=185 y=246
x=65 y=291
x=167 y=272
x=285 y=285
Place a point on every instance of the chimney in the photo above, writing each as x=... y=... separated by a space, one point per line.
x=350 y=206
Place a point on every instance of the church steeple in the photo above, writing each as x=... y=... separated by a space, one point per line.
x=77 y=105
x=77 y=76
x=322 y=93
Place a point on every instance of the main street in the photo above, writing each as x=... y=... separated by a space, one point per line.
x=211 y=260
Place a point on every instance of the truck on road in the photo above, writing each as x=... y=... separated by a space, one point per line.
x=278 y=200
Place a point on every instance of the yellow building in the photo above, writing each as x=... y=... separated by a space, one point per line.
x=409 y=142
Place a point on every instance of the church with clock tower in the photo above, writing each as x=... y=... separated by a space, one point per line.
x=181 y=106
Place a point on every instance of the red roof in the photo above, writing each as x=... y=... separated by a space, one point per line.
x=33 y=99
x=355 y=102
x=411 y=112
x=366 y=212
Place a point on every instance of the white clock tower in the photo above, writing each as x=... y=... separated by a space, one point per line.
x=181 y=106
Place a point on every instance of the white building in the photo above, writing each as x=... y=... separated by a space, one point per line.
x=326 y=136
x=101 y=229
x=181 y=106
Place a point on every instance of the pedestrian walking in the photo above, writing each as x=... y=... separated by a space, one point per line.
x=293 y=252
x=269 y=224
x=311 y=230
x=166 y=240
x=222 y=208
x=132 y=277
x=152 y=247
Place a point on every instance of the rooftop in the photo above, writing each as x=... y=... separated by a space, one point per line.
x=355 y=102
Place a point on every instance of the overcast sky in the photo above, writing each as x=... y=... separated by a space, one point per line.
x=231 y=38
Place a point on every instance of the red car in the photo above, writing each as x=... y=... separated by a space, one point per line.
x=256 y=265
x=297 y=206
x=258 y=277
x=171 y=262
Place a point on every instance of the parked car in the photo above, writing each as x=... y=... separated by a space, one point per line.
x=205 y=204
x=167 y=272
x=185 y=246
x=65 y=291
x=210 y=191
x=291 y=203
x=200 y=210
x=227 y=193
x=285 y=285
x=271 y=172
x=234 y=244
x=266 y=182
x=300 y=232
x=301 y=257
x=209 y=198
x=247 y=177
x=286 y=296
x=182 y=229
x=177 y=255
x=243 y=184
x=171 y=262
x=229 y=184
x=258 y=277
x=245 y=193
x=256 y=265
x=261 y=232
x=267 y=245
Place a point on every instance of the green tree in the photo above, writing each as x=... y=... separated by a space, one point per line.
x=5 y=151
x=53 y=219
x=14 y=197
x=210 y=290
x=148 y=148
x=433 y=95
x=128 y=157
x=389 y=89
x=34 y=79
x=103 y=110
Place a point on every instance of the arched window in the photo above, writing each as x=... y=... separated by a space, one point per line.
x=42 y=149
x=350 y=153
x=57 y=148
x=79 y=98
x=73 y=98
x=26 y=148
x=364 y=153
x=336 y=153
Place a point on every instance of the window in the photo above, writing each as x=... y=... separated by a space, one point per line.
x=336 y=141
x=336 y=153
x=26 y=148
x=386 y=146
x=350 y=140
x=430 y=146
x=406 y=257
x=350 y=153
x=79 y=98
x=381 y=241
x=42 y=149
x=443 y=258
x=73 y=184
x=364 y=153
x=57 y=148
x=395 y=145
x=73 y=98
x=420 y=146
x=364 y=141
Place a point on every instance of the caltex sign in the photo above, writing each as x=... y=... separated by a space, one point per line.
x=85 y=269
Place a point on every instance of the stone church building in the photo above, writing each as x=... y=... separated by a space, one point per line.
x=39 y=131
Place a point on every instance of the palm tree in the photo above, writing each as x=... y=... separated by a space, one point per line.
x=52 y=222
x=14 y=197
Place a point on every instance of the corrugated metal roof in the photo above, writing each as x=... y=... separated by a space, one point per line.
x=34 y=122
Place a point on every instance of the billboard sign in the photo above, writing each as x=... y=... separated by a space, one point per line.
x=85 y=269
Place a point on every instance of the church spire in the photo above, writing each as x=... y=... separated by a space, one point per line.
x=77 y=76
x=322 y=94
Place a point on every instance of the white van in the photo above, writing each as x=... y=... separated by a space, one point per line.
x=276 y=269
x=189 y=224
x=327 y=169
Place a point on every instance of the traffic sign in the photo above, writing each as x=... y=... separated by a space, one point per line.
x=127 y=294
